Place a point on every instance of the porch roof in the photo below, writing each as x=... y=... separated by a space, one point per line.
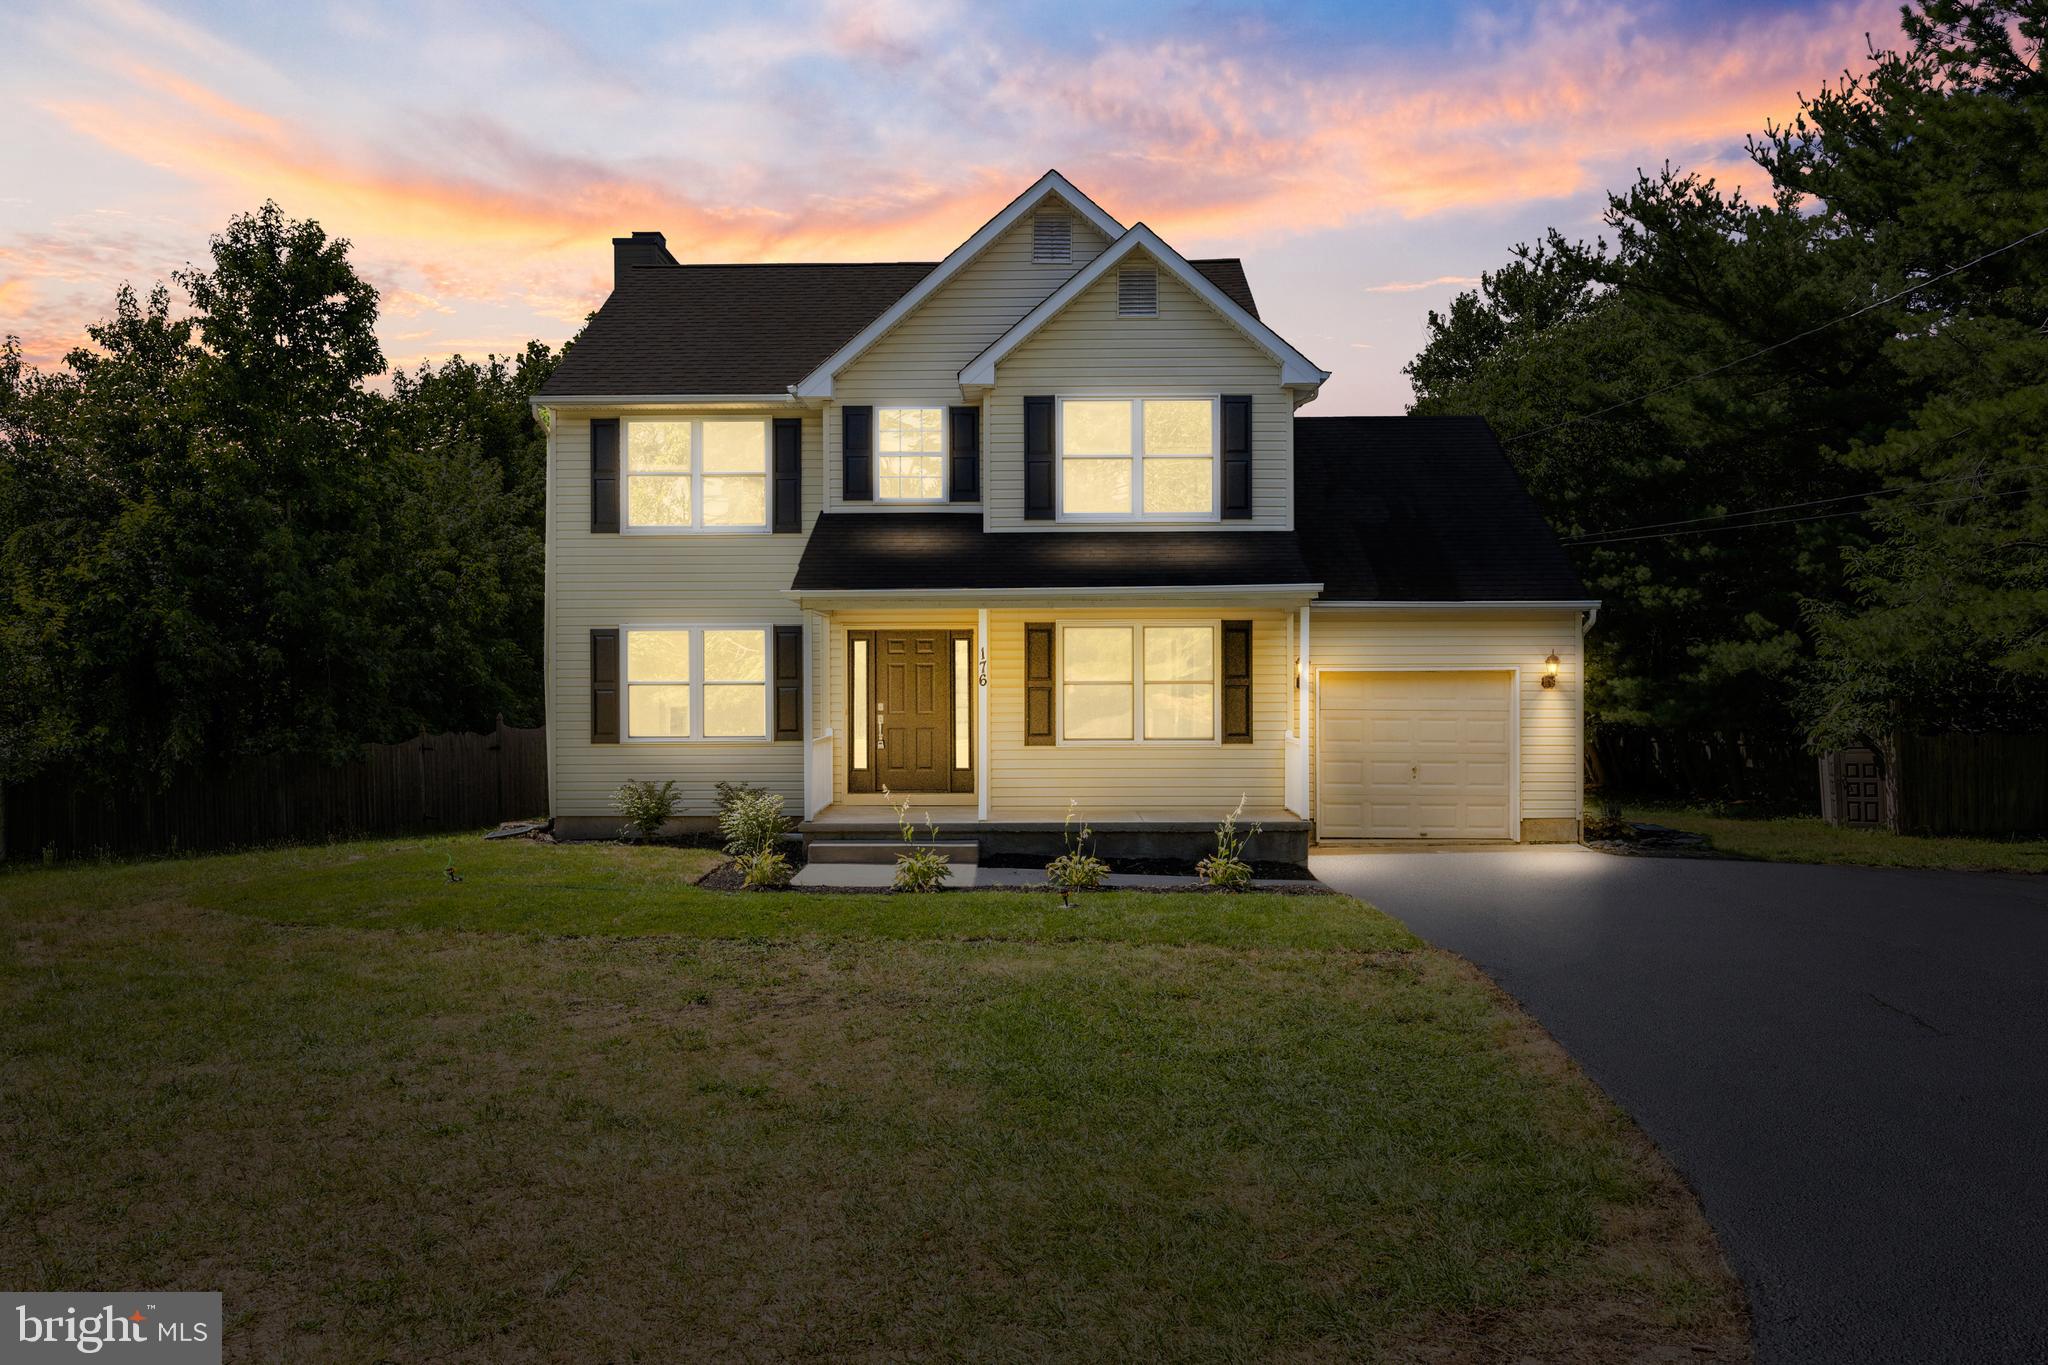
x=912 y=551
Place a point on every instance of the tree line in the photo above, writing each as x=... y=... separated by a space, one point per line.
x=1799 y=445
x=219 y=539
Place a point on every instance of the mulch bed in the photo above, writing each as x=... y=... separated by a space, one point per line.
x=1156 y=867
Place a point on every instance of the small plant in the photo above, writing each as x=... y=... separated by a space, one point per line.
x=919 y=869
x=1226 y=869
x=767 y=870
x=729 y=794
x=450 y=873
x=1076 y=869
x=753 y=825
x=752 y=822
x=645 y=808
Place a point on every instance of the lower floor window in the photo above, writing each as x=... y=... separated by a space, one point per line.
x=1130 y=682
x=685 y=682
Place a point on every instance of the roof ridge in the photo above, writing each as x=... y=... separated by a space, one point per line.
x=773 y=265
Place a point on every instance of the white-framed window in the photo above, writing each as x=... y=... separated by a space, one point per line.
x=910 y=454
x=1138 y=683
x=696 y=473
x=696 y=682
x=1135 y=459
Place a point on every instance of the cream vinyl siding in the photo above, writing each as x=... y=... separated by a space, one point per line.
x=837 y=696
x=1185 y=780
x=596 y=580
x=917 y=364
x=1188 y=349
x=1551 y=719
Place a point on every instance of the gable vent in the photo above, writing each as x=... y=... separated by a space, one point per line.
x=1052 y=237
x=1137 y=293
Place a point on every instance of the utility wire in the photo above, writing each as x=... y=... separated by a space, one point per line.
x=1595 y=537
x=1779 y=345
x=1788 y=521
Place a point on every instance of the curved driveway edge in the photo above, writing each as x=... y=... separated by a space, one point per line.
x=1849 y=1064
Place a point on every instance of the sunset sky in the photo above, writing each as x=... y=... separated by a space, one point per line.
x=1366 y=160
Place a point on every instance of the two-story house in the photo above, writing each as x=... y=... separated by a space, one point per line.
x=1036 y=523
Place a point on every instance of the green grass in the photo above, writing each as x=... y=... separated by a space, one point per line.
x=1809 y=839
x=573 y=1107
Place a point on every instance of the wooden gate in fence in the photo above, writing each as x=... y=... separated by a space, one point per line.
x=423 y=785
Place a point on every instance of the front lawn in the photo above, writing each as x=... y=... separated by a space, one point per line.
x=1810 y=839
x=572 y=1108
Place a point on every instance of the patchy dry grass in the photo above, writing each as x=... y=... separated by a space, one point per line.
x=1809 y=839
x=572 y=1108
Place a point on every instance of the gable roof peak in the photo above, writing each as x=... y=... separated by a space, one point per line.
x=818 y=384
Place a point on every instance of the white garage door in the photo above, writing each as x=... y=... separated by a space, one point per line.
x=1414 y=755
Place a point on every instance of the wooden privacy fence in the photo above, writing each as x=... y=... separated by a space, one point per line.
x=1971 y=784
x=423 y=785
x=1701 y=765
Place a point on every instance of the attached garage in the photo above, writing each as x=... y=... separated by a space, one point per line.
x=1417 y=755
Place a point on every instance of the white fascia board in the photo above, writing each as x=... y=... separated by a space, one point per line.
x=1576 y=604
x=818 y=383
x=618 y=400
x=820 y=598
x=1296 y=369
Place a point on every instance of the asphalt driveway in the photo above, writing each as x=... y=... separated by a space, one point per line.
x=1849 y=1064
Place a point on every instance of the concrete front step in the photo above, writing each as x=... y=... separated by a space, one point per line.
x=960 y=853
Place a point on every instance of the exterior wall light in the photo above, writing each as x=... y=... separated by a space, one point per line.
x=1550 y=670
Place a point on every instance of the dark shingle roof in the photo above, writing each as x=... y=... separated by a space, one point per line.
x=872 y=551
x=747 y=329
x=1421 y=509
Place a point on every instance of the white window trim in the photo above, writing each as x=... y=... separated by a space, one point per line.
x=945 y=452
x=1137 y=628
x=696 y=526
x=1137 y=458
x=696 y=684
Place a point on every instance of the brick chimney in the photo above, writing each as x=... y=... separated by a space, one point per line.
x=642 y=248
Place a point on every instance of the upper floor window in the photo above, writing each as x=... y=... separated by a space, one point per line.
x=697 y=473
x=910 y=454
x=1137 y=292
x=1131 y=458
x=1052 y=236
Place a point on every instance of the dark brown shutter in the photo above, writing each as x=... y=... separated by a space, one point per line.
x=1237 y=682
x=857 y=454
x=789 y=682
x=1038 y=503
x=1237 y=457
x=604 y=474
x=789 y=474
x=1038 y=683
x=966 y=454
x=604 y=686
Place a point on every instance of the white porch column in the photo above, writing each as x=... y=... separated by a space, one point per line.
x=983 y=778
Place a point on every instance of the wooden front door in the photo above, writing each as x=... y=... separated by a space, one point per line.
x=907 y=705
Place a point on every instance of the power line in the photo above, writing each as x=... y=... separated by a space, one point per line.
x=1595 y=537
x=1789 y=521
x=1779 y=345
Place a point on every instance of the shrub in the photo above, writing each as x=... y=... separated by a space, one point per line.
x=766 y=870
x=752 y=822
x=645 y=807
x=1226 y=869
x=1076 y=869
x=728 y=794
x=918 y=869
